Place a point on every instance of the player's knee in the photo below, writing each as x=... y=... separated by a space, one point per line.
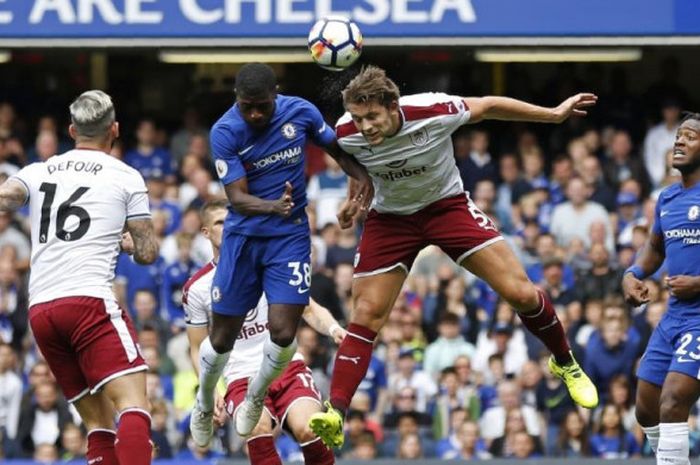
x=522 y=296
x=303 y=434
x=645 y=416
x=283 y=337
x=221 y=342
x=367 y=312
x=673 y=407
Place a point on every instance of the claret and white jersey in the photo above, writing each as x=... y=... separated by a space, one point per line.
x=79 y=203
x=415 y=167
x=247 y=355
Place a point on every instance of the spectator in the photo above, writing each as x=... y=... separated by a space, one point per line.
x=449 y=345
x=553 y=401
x=610 y=352
x=408 y=374
x=175 y=276
x=511 y=444
x=201 y=251
x=493 y=421
x=365 y=448
x=592 y=175
x=149 y=159
x=573 y=437
x=610 y=439
x=602 y=280
x=512 y=183
x=73 y=443
x=191 y=127
x=450 y=399
x=375 y=384
x=10 y=397
x=130 y=277
x=147 y=316
x=42 y=421
x=45 y=453
x=407 y=424
x=10 y=236
x=502 y=340
x=573 y=218
x=404 y=402
x=553 y=282
x=479 y=165
x=621 y=164
x=660 y=139
x=410 y=447
x=156 y=197
x=13 y=306
x=46 y=146
x=469 y=444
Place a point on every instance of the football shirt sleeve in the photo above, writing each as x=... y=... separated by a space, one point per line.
x=25 y=177
x=137 y=206
x=656 y=227
x=228 y=164
x=318 y=130
x=196 y=311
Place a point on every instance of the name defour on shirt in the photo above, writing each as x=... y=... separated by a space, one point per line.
x=89 y=167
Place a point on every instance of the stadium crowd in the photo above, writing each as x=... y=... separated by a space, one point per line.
x=454 y=375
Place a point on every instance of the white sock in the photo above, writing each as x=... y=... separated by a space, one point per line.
x=652 y=434
x=211 y=365
x=674 y=448
x=275 y=360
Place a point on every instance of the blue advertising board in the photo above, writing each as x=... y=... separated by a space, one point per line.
x=377 y=18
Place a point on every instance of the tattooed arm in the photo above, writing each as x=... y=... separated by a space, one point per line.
x=144 y=237
x=13 y=194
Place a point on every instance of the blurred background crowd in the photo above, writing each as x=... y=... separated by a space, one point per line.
x=454 y=375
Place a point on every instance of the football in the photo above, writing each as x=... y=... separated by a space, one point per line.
x=335 y=43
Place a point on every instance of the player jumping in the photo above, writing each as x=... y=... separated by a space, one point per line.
x=258 y=146
x=669 y=370
x=404 y=142
x=79 y=203
x=292 y=398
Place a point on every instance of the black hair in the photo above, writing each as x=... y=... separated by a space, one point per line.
x=688 y=115
x=255 y=79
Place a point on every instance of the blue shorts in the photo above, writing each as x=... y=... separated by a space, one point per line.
x=280 y=266
x=674 y=346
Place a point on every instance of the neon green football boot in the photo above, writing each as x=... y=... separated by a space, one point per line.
x=581 y=388
x=328 y=426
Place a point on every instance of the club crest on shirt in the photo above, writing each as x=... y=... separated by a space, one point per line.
x=221 y=168
x=289 y=131
x=216 y=294
x=419 y=138
x=693 y=213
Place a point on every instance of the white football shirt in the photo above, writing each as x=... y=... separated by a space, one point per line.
x=247 y=354
x=416 y=166
x=79 y=203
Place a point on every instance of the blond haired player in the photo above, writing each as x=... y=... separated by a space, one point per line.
x=79 y=204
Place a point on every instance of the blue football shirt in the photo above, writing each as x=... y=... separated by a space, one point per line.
x=677 y=220
x=269 y=157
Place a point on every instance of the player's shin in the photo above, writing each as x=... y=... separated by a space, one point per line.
x=351 y=364
x=275 y=360
x=211 y=365
x=316 y=453
x=674 y=447
x=261 y=451
x=652 y=434
x=133 y=443
x=100 y=449
x=545 y=325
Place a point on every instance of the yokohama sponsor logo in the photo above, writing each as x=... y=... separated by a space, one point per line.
x=289 y=156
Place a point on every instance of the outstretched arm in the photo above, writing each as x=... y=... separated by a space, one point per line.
x=144 y=239
x=320 y=319
x=13 y=194
x=509 y=109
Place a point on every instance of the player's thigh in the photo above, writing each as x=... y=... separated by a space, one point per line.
x=681 y=387
x=647 y=403
x=96 y=410
x=107 y=348
x=234 y=397
x=497 y=264
x=236 y=287
x=128 y=391
x=389 y=242
x=458 y=227
x=287 y=269
x=295 y=398
x=52 y=324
